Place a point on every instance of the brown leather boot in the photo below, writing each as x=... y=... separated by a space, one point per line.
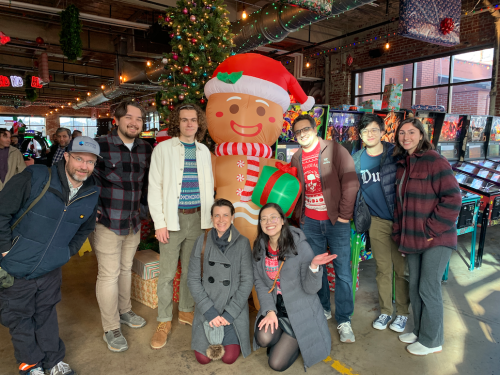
x=186 y=317
x=159 y=338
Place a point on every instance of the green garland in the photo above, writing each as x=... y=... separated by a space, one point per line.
x=31 y=93
x=69 y=37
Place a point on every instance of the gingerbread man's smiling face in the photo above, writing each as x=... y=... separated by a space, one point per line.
x=234 y=117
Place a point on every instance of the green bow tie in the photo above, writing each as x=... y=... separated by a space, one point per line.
x=229 y=77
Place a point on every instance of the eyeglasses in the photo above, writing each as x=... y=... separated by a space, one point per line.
x=373 y=131
x=89 y=163
x=271 y=219
x=303 y=130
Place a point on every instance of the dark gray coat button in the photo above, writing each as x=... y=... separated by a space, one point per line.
x=227 y=265
x=211 y=279
x=225 y=282
x=211 y=263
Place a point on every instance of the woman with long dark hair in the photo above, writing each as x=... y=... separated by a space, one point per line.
x=428 y=202
x=287 y=278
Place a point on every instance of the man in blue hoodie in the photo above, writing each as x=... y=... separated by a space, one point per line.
x=34 y=250
x=376 y=170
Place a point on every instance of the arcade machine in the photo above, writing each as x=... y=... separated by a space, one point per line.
x=480 y=180
x=104 y=126
x=35 y=146
x=149 y=136
x=431 y=120
x=392 y=120
x=286 y=144
x=492 y=161
x=343 y=127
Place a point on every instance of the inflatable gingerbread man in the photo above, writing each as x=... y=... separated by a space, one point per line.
x=247 y=97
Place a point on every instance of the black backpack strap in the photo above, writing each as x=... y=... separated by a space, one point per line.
x=46 y=187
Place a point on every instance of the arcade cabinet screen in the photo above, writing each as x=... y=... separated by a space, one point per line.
x=391 y=122
x=428 y=123
x=474 y=151
x=495 y=130
x=493 y=150
x=343 y=127
x=452 y=128
x=477 y=129
x=318 y=113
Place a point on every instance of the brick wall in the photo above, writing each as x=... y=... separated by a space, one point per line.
x=477 y=30
x=51 y=121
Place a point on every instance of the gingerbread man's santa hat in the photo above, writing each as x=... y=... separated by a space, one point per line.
x=258 y=75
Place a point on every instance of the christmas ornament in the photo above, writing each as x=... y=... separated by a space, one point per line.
x=39 y=40
x=160 y=18
x=349 y=60
x=205 y=74
x=170 y=77
x=185 y=11
x=164 y=102
x=181 y=97
x=171 y=107
x=192 y=18
x=184 y=85
x=186 y=69
x=178 y=37
x=164 y=61
x=202 y=47
x=447 y=25
x=193 y=40
x=168 y=19
x=191 y=55
x=202 y=101
x=175 y=56
x=172 y=35
x=193 y=84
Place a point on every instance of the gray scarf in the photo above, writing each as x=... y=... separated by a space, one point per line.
x=223 y=241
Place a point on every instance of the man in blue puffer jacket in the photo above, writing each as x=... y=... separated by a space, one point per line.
x=376 y=170
x=34 y=251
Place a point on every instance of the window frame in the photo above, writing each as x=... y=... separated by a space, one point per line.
x=449 y=85
x=72 y=126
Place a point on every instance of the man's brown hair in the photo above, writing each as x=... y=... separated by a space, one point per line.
x=121 y=110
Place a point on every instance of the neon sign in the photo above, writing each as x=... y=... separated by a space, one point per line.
x=35 y=83
x=4 y=81
x=16 y=81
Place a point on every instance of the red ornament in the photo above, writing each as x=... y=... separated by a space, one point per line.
x=202 y=101
x=160 y=18
x=168 y=19
x=186 y=69
x=4 y=39
x=185 y=85
x=171 y=107
x=172 y=35
x=175 y=56
x=193 y=40
x=185 y=11
x=350 y=60
x=164 y=102
x=39 y=40
x=181 y=97
x=447 y=25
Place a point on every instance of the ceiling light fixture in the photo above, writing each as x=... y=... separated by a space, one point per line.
x=244 y=14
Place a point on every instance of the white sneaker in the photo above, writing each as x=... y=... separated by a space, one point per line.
x=328 y=314
x=408 y=338
x=418 y=349
x=381 y=322
x=346 y=333
x=399 y=324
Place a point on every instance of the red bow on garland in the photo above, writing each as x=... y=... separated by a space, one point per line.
x=447 y=26
x=287 y=168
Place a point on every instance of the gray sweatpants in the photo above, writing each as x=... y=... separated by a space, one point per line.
x=426 y=272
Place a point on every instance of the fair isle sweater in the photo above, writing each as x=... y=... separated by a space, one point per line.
x=190 y=189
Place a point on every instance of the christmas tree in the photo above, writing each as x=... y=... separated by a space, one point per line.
x=200 y=40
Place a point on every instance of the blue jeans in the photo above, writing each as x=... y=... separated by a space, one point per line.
x=319 y=233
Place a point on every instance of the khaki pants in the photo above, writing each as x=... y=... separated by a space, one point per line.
x=386 y=254
x=115 y=255
x=180 y=243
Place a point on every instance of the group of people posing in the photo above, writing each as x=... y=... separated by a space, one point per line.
x=404 y=195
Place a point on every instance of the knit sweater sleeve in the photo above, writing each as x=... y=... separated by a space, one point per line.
x=446 y=187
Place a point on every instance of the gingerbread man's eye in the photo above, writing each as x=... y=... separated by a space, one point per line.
x=261 y=111
x=234 y=109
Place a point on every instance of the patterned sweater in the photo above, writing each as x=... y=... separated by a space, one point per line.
x=428 y=202
x=190 y=191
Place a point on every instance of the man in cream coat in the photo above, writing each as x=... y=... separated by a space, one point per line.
x=180 y=196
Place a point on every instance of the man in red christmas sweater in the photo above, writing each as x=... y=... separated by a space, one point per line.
x=327 y=173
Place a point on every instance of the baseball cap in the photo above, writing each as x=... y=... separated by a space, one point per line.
x=84 y=144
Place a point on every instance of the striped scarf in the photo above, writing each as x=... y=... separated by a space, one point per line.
x=253 y=151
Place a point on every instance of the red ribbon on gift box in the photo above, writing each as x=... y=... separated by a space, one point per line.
x=447 y=25
x=287 y=168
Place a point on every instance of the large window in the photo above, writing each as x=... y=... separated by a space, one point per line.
x=428 y=82
x=31 y=122
x=87 y=126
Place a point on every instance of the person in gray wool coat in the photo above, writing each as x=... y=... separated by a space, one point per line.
x=287 y=277
x=220 y=289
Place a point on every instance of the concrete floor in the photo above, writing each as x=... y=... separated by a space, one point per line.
x=472 y=330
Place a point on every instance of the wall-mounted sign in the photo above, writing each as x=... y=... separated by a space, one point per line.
x=4 y=81
x=35 y=83
x=16 y=81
